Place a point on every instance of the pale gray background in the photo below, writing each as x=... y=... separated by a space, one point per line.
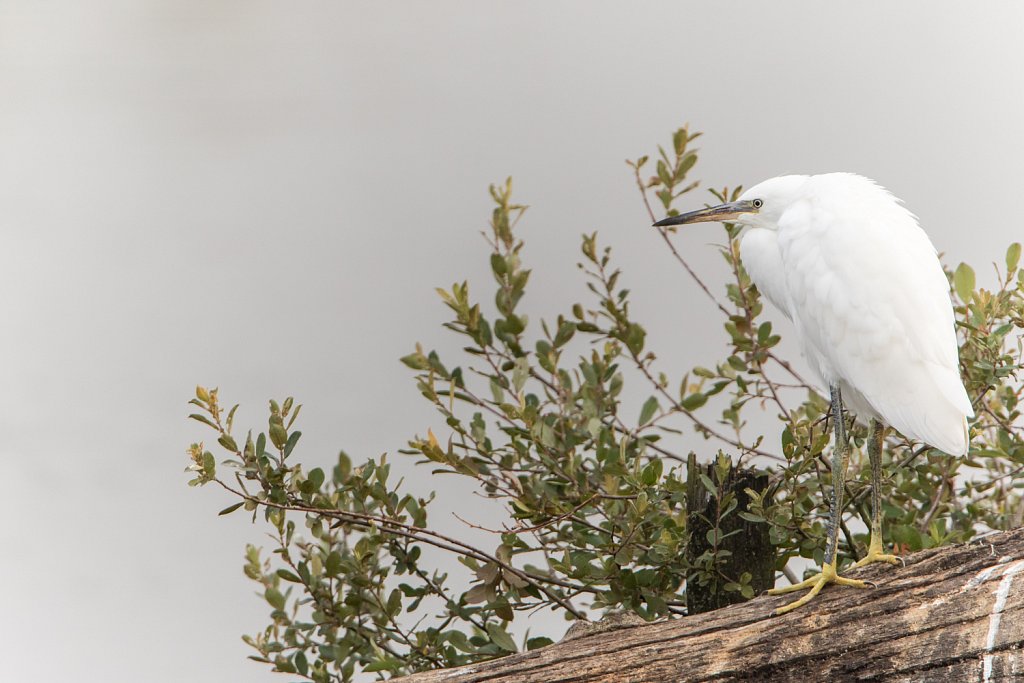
x=263 y=195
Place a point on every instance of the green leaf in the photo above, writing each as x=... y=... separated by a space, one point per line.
x=416 y=361
x=228 y=442
x=333 y=564
x=649 y=408
x=513 y=579
x=652 y=473
x=520 y=373
x=481 y=592
x=963 y=281
x=688 y=161
x=231 y=417
x=709 y=485
x=663 y=174
x=278 y=435
x=293 y=439
x=384 y=664
x=504 y=553
x=497 y=395
x=537 y=643
x=498 y=264
x=275 y=598
x=316 y=477
x=503 y=609
x=343 y=468
x=485 y=333
x=1012 y=257
x=501 y=638
x=679 y=140
x=565 y=333
x=694 y=401
x=635 y=338
x=288 y=576
x=202 y=418
x=394 y=605
x=231 y=508
x=459 y=641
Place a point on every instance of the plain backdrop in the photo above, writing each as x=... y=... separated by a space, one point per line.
x=262 y=196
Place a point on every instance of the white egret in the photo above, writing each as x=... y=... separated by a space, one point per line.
x=850 y=266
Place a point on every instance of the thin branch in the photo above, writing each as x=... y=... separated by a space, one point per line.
x=665 y=236
x=431 y=538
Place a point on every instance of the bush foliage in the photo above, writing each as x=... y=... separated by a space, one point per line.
x=595 y=493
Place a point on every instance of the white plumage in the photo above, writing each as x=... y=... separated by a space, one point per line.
x=861 y=281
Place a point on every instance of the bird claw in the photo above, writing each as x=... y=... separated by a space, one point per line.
x=871 y=558
x=875 y=554
x=826 y=576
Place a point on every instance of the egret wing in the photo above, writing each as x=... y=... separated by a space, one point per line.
x=871 y=305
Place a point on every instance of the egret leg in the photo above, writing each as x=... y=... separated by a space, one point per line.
x=875 y=553
x=828 y=572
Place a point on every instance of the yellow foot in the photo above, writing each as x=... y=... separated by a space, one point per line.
x=878 y=556
x=815 y=583
x=875 y=554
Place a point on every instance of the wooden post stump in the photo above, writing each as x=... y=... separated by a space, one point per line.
x=750 y=546
x=952 y=614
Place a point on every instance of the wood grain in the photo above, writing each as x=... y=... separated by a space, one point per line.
x=952 y=614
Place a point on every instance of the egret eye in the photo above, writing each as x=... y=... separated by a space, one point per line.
x=758 y=203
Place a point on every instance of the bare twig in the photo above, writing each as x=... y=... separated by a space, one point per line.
x=665 y=236
x=429 y=537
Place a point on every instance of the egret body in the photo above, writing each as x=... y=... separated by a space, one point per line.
x=850 y=266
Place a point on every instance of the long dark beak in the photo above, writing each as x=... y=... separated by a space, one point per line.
x=723 y=212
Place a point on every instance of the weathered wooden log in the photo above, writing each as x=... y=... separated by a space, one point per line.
x=749 y=543
x=951 y=614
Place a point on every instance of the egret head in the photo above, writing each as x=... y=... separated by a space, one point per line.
x=759 y=207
